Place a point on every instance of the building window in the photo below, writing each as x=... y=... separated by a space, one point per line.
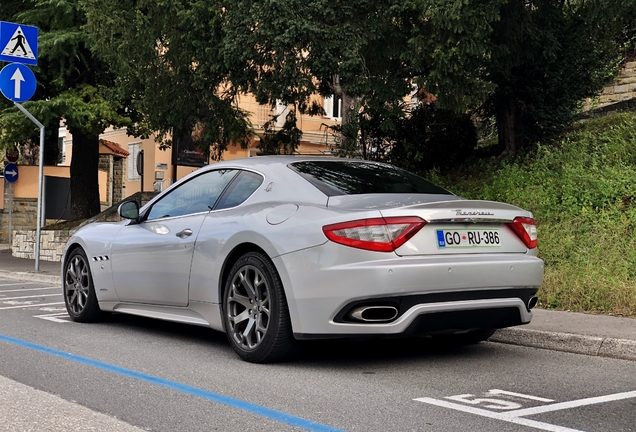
x=61 y=135
x=133 y=149
x=333 y=107
x=281 y=110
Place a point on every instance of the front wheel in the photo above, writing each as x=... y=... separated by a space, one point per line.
x=255 y=311
x=79 y=291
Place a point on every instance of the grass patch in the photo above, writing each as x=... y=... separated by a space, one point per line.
x=582 y=191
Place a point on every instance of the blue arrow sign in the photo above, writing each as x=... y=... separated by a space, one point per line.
x=11 y=173
x=18 y=43
x=17 y=82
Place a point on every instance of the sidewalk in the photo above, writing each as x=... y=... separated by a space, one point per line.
x=595 y=335
x=24 y=269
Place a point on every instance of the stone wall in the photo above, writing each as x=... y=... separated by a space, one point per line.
x=622 y=89
x=114 y=165
x=51 y=246
x=119 y=171
x=23 y=215
x=105 y=165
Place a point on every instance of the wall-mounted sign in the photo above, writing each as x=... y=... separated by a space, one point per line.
x=184 y=152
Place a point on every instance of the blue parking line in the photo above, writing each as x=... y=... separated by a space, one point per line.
x=214 y=397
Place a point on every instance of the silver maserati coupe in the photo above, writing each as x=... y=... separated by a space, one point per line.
x=278 y=249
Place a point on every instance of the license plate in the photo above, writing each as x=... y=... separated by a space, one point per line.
x=468 y=238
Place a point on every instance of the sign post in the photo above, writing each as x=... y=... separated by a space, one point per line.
x=19 y=43
x=140 y=167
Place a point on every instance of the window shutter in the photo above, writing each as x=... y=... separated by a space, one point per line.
x=329 y=106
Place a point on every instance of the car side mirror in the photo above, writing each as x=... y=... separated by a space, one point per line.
x=129 y=210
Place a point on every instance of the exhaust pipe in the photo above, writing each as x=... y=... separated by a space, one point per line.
x=377 y=314
x=532 y=302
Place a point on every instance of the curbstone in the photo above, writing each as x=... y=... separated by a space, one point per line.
x=568 y=342
x=31 y=277
x=618 y=348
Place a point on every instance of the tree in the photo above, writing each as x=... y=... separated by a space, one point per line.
x=71 y=86
x=557 y=54
x=170 y=73
x=529 y=63
x=291 y=51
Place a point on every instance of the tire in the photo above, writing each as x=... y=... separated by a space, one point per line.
x=255 y=312
x=79 y=291
x=469 y=338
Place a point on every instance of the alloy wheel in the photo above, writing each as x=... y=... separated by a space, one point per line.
x=248 y=307
x=77 y=284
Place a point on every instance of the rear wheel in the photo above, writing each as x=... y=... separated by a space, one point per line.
x=469 y=338
x=79 y=291
x=255 y=311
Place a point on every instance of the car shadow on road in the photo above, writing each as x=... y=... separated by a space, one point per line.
x=167 y=329
x=315 y=353
x=347 y=351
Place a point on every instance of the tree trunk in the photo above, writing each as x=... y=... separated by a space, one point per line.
x=506 y=126
x=51 y=148
x=84 y=180
x=363 y=142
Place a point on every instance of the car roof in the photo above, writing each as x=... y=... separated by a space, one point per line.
x=280 y=160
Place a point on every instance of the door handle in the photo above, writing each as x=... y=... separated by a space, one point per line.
x=185 y=233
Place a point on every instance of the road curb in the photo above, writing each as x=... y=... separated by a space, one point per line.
x=568 y=342
x=31 y=277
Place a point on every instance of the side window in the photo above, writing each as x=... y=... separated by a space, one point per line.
x=240 y=190
x=199 y=194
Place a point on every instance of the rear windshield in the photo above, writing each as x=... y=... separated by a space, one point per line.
x=361 y=177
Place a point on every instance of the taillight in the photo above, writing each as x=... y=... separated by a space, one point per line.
x=526 y=230
x=376 y=234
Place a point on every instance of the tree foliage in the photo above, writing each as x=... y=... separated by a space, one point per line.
x=180 y=65
x=291 y=51
x=528 y=63
x=169 y=65
x=71 y=87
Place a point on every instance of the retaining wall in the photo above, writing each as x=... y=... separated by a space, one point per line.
x=622 y=89
x=51 y=246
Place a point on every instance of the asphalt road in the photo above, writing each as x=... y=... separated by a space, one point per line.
x=128 y=373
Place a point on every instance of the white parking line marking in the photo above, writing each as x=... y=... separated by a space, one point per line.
x=18 y=283
x=31 y=305
x=30 y=289
x=497 y=404
x=520 y=395
x=571 y=404
x=516 y=416
x=5 y=299
x=55 y=317
x=497 y=416
x=53 y=309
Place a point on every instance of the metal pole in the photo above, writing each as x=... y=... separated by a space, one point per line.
x=10 y=213
x=40 y=184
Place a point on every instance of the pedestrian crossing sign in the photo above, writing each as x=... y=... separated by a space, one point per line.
x=18 y=43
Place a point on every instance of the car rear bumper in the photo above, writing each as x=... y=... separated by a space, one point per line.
x=432 y=294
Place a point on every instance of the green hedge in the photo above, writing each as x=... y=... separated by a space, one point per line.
x=582 y=191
